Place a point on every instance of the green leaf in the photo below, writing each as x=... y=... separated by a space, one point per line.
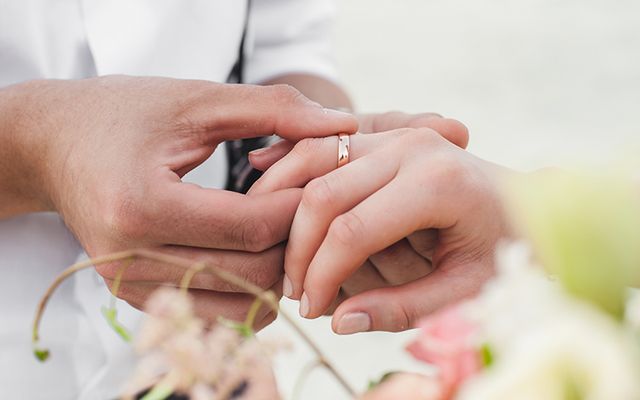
x=486 y=355
x=243 y=329
x=374 y=383
x=586 y=231
x=41 y=354
x=158 y=392
x=111 y=315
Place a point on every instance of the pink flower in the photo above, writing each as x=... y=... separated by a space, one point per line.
x=446 y=342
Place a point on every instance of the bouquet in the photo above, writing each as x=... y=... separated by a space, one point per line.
x=559 y=320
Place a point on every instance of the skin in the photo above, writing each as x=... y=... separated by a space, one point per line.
x=408 y=187
x=409 y=258
x=81 y=148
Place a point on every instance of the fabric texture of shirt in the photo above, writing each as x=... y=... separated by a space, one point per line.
x=72 y=39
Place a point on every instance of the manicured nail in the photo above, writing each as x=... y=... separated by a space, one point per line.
x=353 y=323
x=257 y=152
x=304 y=305
x=287 y=287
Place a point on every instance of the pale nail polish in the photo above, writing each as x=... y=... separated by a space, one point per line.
x=353 y=323
x=304 y=305
x=257 y=152
x=287 y=287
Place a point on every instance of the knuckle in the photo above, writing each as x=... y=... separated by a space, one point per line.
x=286 y=94
x=237 y=314
x=393 y=114
x=318 y=194
x=381 y=122
x=256 y=234
x=417 y=139
x=125 y=220
x=306 y=148
x=449 y=170
x=108 y=272
x=423 y=120
x=425 y=136
x=264 y=273
x=347 y=229
x=129 y=293
x=266 y=320
x=400 y=317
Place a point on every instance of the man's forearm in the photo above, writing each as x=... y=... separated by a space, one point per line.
x=316 y=88
x=18 y=183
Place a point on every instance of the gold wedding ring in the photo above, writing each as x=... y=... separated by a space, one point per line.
x=343 y=149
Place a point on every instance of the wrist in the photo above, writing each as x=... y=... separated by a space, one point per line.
x=22 y=155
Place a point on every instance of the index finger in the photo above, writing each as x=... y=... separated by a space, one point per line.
x=352 y=237
x=189 y=215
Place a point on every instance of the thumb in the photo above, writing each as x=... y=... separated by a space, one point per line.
x=232 y=112
x=399 y=308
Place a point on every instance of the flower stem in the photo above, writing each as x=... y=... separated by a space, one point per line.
x=118 y=281
x=302 y=377
x=267 y=297
x=42 y=354
x=185 y=282
x=253 y=311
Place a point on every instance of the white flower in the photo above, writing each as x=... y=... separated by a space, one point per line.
x=520 y=298
x=583 y=352
x=632 y=310
x=547 y=344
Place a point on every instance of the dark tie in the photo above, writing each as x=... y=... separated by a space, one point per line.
x=241 y=175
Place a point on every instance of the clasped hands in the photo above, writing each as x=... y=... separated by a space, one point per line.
x=407 y=226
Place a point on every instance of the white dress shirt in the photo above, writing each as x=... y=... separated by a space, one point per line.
x=71 y=39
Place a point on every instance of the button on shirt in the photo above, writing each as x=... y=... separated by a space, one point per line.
x=72 y=39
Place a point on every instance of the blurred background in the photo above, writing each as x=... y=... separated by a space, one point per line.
x=538 y=83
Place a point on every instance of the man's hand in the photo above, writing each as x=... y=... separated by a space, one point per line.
x=109 y=154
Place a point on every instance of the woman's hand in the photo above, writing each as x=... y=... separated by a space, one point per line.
x=408 y=259
x=407 y=183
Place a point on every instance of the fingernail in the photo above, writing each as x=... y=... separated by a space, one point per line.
x=304 y=305
x=257 y=152
x=353 y=323
x=337 y=113
x=287 y=287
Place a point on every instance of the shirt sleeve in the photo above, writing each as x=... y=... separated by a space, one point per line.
x=289 y=36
